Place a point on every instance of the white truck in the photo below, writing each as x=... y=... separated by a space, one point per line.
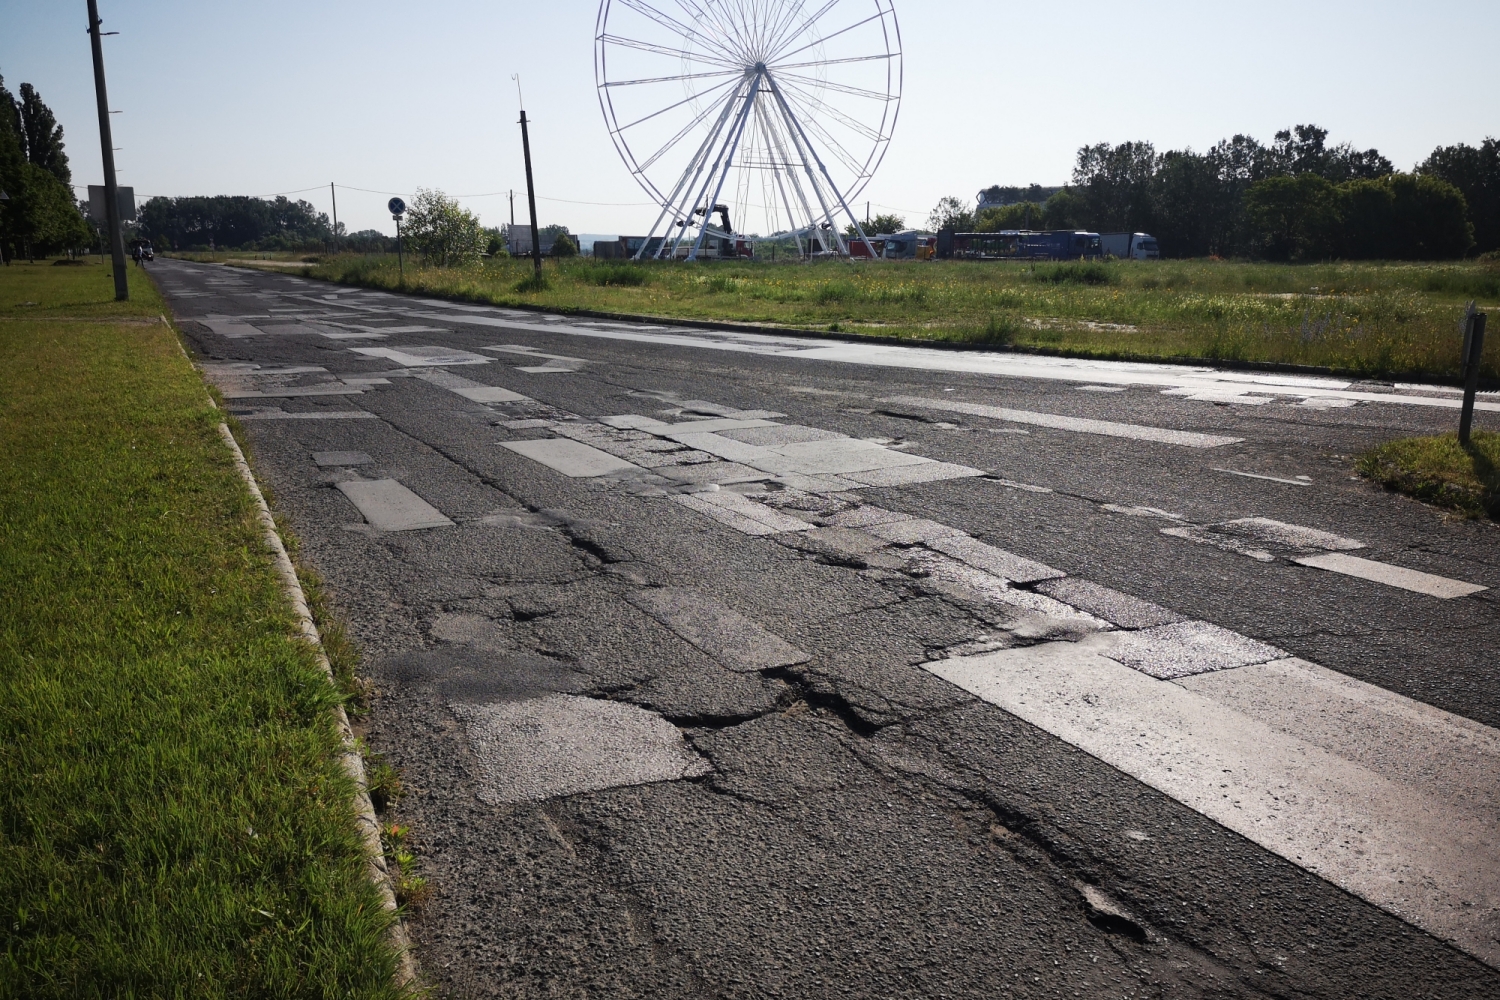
x=1129 y=246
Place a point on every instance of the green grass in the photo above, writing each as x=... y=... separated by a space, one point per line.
x=1366 y=318
x=173 y=819
x=1440 y=471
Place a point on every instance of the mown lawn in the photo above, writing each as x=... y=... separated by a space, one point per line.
x=173 y=819
x=1368 y=318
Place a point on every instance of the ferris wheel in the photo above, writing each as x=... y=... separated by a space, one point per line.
x=773 y=114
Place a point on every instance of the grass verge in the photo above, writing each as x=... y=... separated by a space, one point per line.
x=1376 y=319
x=1440 y=471
x=173 y=817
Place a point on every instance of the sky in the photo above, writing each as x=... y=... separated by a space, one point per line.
x=278 y=96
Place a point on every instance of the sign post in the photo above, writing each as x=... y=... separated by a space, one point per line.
x=1473 y=350
x=398 y=209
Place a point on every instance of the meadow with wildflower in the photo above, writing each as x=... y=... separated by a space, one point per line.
x=1375 y=319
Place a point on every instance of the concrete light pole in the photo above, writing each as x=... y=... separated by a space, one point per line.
x=106 y=140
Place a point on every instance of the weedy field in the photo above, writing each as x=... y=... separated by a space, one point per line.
x=174 y=820
x=1373 y=319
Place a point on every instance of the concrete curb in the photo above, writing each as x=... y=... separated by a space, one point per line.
x=350 y=759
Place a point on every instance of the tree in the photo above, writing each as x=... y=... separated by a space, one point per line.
x=43 y=136
x=442 y=231
x=564 y=246
x=1116 y=185
x=951 y=213
x=1475 y=171
x=1018 y=215
x=235 y=221
x=1064 y=210
x=40 y=216
x=1303 y=149
x=1291 y=218
x=881 y=225
x=1430 y=219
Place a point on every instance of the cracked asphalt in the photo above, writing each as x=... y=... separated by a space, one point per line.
x=850 y=825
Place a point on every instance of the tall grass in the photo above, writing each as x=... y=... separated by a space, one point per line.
x=1370 y=318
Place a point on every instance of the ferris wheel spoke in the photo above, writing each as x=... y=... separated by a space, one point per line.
x=672 y=142
x=784 y=24
x=810 y=123
x=825 y=38
x=632 y=43
x=726 y=42
x=852 y=124
x=806 y=25
x=842 y=88
x=671 y=79
x=782 y=67
x=672 y=24
x=686 y=100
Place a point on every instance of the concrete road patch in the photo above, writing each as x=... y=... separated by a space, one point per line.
x=389 y=506
x=728 y=636
x=1188 y=648
x=561 y=744
x=328 y=458
x=572 y=458
x=1392 y=576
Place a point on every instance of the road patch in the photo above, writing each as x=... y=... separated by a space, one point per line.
x=724 y=634
x=1392 y=576
x=1109 y=428
x=389 y=506
x=541 y=748
x=571 y=458
x=1429 y=860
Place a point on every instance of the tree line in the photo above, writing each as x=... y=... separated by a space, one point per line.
x=1297 y=198
x=39 y=215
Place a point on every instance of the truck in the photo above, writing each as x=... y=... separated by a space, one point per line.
x=1130 y=246
x=1018 y=245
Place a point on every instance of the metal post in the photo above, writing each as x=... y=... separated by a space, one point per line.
x=106 y=140
x=400 y=258
x=335 y=196
x=1475 y=343
x=536 y=240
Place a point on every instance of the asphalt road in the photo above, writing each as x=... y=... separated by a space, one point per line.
x=726 y=666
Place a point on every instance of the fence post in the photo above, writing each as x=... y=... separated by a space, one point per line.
x=1474 y=350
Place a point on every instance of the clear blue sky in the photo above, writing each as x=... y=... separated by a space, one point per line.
x=274 y=96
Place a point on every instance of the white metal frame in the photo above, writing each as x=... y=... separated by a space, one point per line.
x=764 y=99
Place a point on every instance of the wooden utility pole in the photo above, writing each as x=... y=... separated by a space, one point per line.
x=106 y=140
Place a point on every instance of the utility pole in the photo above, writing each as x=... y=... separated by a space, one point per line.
x=106 y=140
x=335 y=196
x=536 y=239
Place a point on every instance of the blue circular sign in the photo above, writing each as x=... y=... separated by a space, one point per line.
x=397 y=206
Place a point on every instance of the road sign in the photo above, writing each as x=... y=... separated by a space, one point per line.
x=98 y=202
x=397 y=206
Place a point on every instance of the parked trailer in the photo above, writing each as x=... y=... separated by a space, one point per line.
x=1130 y=246
x=1018 y=244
